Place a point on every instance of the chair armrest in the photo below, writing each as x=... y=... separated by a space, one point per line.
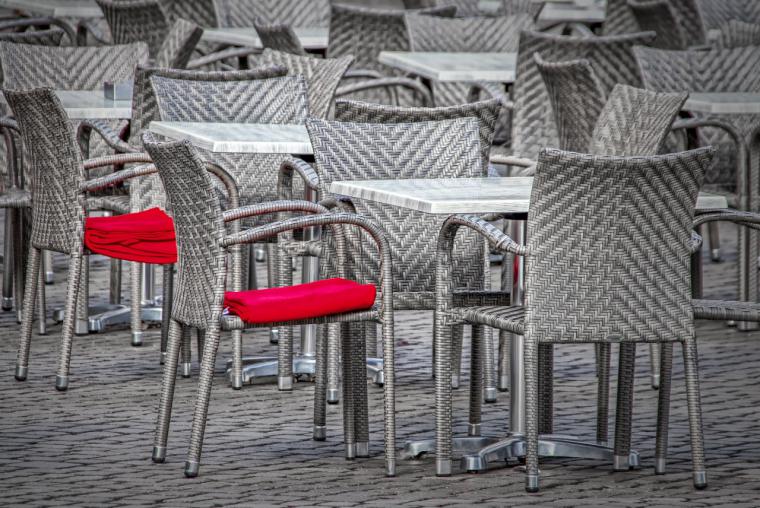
x=273 y=207
x=362 y=73
x=341 y=203
x=8 y=122
x=391 y=83
x=220 y=55
x=40 y=21
x=106 y=133
x=746 y=219
x=511 y=160
x=87 y=26
x=116 y=177
x=226 y=179
x=285 y=179
x=497 y=239
x=110 y=160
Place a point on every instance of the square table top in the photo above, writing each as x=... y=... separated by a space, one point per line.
x=314 y=38
x=56 y=8
x=558 y=11
x=91 y=105
x=446 y=66
x=239 y=137
x=462 y=195
x=724 y=103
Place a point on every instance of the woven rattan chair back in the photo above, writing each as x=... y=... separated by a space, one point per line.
x=737 y=34
x=608 y=236
x=577 y=99
x=619 y=19
x=635 y=122
x=279 y=37
x=487 y=113
x=282 y=100
x=198 y=225
x=56 y=169
x=200 y=12
x=243 y=13
x=611 y=57
x=715 y=14
x=51 y=37
x=660 y=16
x=716 y=70
x=445 y=149
x=322 y=76
x=474 y=34
x=514 y=7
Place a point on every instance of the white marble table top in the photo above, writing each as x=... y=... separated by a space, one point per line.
x=314 y=38
x=444 y=66
x=90 y=105
x=56 y=8
x=726 y=103
x=462 y=195
x=558 y=11
x=239 y=137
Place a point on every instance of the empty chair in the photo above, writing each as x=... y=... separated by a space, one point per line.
x=295 y=13
x=279 y=37
x=734 y=34
x=677 y=24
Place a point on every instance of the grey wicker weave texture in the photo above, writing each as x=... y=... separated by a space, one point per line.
x=474 y=34
x=280 y=37
x=322 y=76
x=611 y=57
x=735 y=34
x=716 y=13
x=200 y=12
x=661 y=17
x=203 y=246
x=487 y=112
x=619 y=19
x=51 y=37
x=513 y=7
x=717 y=70
x=243 y=13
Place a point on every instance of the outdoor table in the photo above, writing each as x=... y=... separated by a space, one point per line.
x=449 y=66
x=91 y=105
x=511 y=196
x=590 y=12
x=743 y=104
x=56 y=8
x=256 y=138
x=312 y=38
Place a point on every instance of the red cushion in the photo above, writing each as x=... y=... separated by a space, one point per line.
x=302 y=301
x=145 y=237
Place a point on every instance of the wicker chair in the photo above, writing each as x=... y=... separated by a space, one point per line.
x=70 y=68
x=736 y=34
x=619 y=19
x=51 y=37
x=59 y=187
x=677 y=24
x=244 y=13
x=715 y=14
x=279 y=37
x=601 y=290
x=200 y=12
x=146 y=191
x=38 y=30
x=203 y=249
x=433 y=33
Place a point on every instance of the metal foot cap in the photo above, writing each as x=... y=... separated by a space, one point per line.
x=163 y=357
x=379 y=378
x=454 y=382
x=473 y=429
x=61 y=383
x=274 y=336
x=700 y=480
x=362 y=450
x=7 y=303
x=21 y=371
x=185 y=370
x=350 y=451
x=503 y=384
x=659 y=465
x=285 y=383
x=620 y=463
x=489 y=395
x=320 y=433
x=159 y=454
x=49 y=278
x=442 y=467
x=474 y=463
x=137 y=340
x=633 y=460
x=236 y=382
x=390 y=468
x=531 y=483
x=191 y=469
x=332 y=396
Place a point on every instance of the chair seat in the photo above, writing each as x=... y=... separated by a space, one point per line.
x=15 y=198
x=722 y=310
x=511 y=319
x=299 y=302
x=144 y=237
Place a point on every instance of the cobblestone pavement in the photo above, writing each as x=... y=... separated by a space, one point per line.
x=91 y=445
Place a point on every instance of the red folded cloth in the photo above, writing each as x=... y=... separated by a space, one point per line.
x=145 y=237
x=302 y=301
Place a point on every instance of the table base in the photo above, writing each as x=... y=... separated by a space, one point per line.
x=101 y=317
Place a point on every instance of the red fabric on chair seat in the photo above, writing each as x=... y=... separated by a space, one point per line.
x=145 y=237
x=302 y=301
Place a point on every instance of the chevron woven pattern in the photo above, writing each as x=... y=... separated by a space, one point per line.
x=661 y=17
x=322 y=76
x=200 y=12
x=735 y=34
x=717 y=70
x=51 y=37
x=279 y=37
x=608 y=237
x=487 y=113
x=619 y=19
x=611 y=57
x=444 y=149
x=474 y=34
x=243 y=13
x=136 y=21
x=716 y=13
x=513 y=7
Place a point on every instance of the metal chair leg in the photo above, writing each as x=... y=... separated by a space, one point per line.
x=9 y=237
x=349 y=435
x=22 y=359
x=166 y=308
x=624 y=411
x=333 y=363
x=531 y=354
x=320 y=386
x=654 y=364
x=359 y=374
x=603 y=393
x=714 y=239
x=136 y=304
x=663 y=408
x=76 y=267
x=167 y=391
x=47 y=264
x=476 y=380
x=186 y=352
x=41 y=305
x=695 y=412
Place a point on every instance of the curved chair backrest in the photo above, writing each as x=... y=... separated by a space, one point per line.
x=199 y=228
x=146 y=191
x=660 y=16
x=514 y=7
x=243 y=13
x=56 y=169
x=617 y=267
x=716 y=13
x=737 y=34
x=322 y=76
x=619 y=19
x=635 y=121
x=51 y=37
x=200 y=12
x=487 y=113
x=611 y=57
x=69 y=68
x=577 y=99
x=280 y=37
x=178 y=46
x=474 y=34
